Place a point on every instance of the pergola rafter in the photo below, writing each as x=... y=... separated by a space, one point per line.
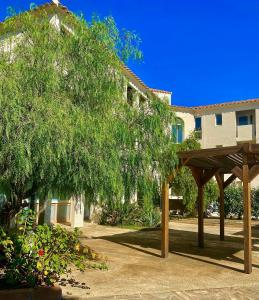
x=241 y=162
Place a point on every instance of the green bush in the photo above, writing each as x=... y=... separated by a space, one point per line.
x=145 y=215
x=39 y=255
x=255 y=202
x=233 y=197
x=234 y=201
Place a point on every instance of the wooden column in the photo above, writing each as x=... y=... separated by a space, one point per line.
x=221 y=215
x=165 y=220
x=247 y=219
x=220 y=181
x=200 y=216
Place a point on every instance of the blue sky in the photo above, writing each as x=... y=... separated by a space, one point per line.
x=203 y=51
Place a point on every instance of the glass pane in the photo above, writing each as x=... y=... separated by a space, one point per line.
x=198 y=123
x=243 y=120
x=218 y=119
x=180 y=134
x=174 y=133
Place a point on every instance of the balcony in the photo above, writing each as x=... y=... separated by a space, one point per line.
x=245 y=133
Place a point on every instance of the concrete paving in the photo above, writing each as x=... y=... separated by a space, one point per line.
x=136 y=270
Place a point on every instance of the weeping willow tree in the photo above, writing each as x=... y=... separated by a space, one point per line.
x=64 y=124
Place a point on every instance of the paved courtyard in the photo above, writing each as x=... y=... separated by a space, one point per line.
x=136 y=270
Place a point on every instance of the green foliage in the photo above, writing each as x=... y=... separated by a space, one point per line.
x=233 y=198
x=255 y=202
x=234 y=201
x=65 y=125
x=40 y=255
x=130 y=214
x=211 y=192
x=184 y=183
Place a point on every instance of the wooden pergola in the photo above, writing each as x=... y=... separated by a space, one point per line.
x=241 y=162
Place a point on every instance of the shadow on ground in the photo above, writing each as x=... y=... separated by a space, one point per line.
x=184 y=243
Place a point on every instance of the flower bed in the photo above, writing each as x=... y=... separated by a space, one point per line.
x=37 y=256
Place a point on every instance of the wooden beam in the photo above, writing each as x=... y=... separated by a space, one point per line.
x=253 y=172
x=200 y=216
x=165 y=220
x=247 y=220
x=224 y=151
x=238 y=172
x=197 y=175
x=229 y=181
x=220 y=180
x=207 y=175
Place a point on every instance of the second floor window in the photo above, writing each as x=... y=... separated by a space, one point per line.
x=178 y=131
x=130 y=95
x=198 y=123
x=245 y=120
x=218 y=119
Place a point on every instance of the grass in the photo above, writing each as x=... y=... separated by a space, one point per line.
x=132 y=227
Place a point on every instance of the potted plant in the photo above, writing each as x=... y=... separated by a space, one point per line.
x=34 y=258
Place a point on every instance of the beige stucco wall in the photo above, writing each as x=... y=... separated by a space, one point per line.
x=214 y=135
x=257 y=124
x=188 y=120
x=227 y=134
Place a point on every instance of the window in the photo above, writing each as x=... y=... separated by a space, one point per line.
x=218 y=119
x=177 y=132
x=142 y=102
x=130 y=95
x=243 y=120
x=198 y=123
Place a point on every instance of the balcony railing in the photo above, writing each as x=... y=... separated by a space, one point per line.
x=245 y=132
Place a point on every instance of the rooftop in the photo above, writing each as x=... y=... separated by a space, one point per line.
x=202 y=108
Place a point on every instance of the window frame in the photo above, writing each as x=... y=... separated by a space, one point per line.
x=220 y=119
x=179 y=125
x=198 y=128
x=245 y=123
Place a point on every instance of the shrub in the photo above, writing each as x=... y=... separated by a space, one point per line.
x=145 y=215
x=233 y=197
x=255 y=202
x=40 y=255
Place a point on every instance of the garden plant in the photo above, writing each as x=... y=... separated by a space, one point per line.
x=34 y=255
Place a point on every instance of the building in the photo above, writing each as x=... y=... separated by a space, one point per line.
x=218 y=125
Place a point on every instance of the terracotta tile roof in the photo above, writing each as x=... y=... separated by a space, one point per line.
x=160 y=91
x=127 y=69
x=201 y=108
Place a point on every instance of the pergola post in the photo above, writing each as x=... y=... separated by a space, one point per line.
x=247 y=219
x=220 y=181
x=201 y=177
x=165 y=220
x=200 y=215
